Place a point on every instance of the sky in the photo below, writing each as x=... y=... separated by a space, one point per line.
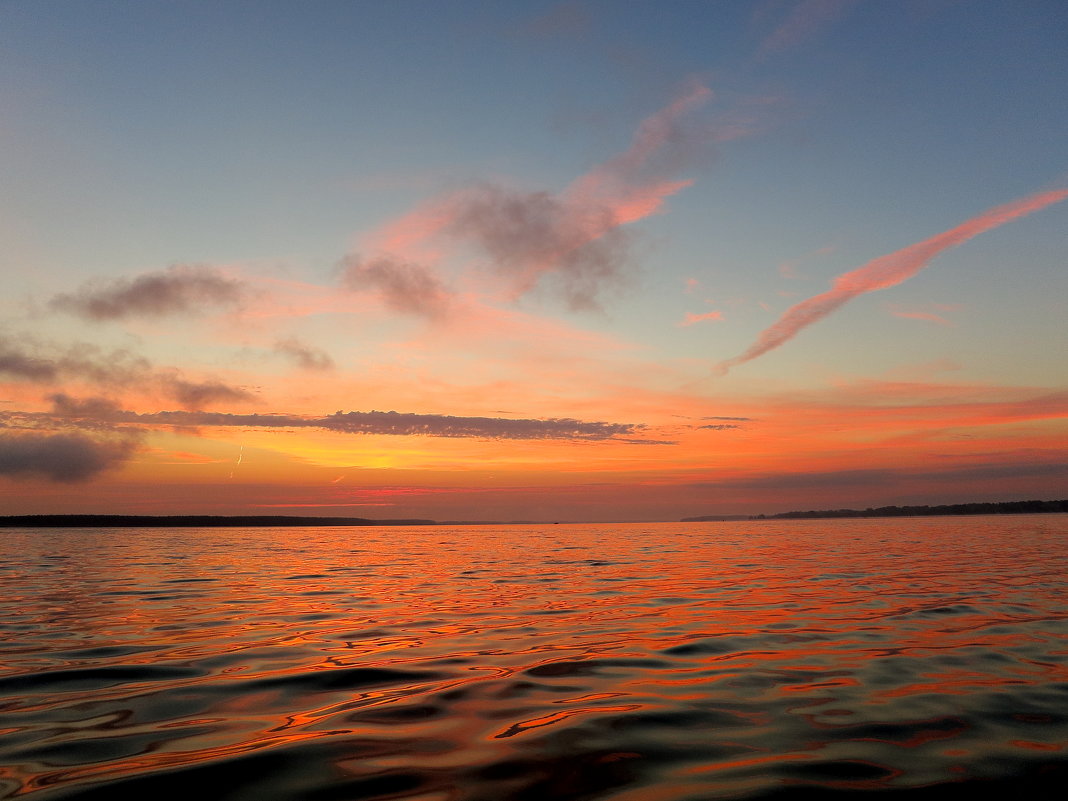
x=531 y=260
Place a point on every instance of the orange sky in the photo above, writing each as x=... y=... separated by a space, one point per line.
x=581 y=295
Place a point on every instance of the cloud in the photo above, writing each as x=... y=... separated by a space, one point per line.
x=19 y=364
x=720 y=427
x=571 y=239
x=304 y=356
x=406 y=286
x=929 y=316
x=887 y=271
x=569 y=18
x=103 y=410
x=110 y=369
x=692 y=318
x=805 y=21
x=193 y=395
x=531 y=235
x=65 y=458
x=180 y=289
x=437 y=425
x=37 y=363
x=96 y=408
x=918 y=315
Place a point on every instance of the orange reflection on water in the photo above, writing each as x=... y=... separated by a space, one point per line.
x=486 y=662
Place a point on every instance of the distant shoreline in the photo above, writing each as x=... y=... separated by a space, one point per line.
x=950 y=510
x=192 y=521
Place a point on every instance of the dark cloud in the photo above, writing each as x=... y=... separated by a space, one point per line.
x=92 y=411
x=66 y=458
x=193 y=395
x=304 y=356
x=21 y=365
x=438 y=425
x=530 y=235
x=37 y=363
x=405 y=286
x=98 y=409
x=179 y=289
x=720 y=426
x=111 y=370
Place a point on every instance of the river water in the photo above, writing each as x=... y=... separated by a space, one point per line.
x=920 y=658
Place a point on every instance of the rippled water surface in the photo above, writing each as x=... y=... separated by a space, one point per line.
x=922 y=657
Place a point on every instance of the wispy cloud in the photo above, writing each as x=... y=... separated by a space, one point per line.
x=571 y=239
x=568 y=18
x=887 y=271
x=303 y=355
x=180 y=289
x=193 y=395
x=28 y=360
x=929 y=316
x=65 y=458
x=692 y=318
x=806 y=19
x=102 y=410
x=788 y=268
x=43 y=363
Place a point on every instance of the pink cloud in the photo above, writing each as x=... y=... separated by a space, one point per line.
x=887 y=271
x=692 y=318
x=916 y=315
x=804 y=22
x=931 y=316
x=788 y=268
x=571 y=238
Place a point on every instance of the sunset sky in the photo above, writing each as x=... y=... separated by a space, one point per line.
x=531 y=260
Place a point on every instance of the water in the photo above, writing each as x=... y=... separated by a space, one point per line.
x=919 y=657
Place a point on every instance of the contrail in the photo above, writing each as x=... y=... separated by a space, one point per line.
x=240 y=455
x=886 y=271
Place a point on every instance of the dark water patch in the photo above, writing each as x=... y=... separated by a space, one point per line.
x=93 y=750
x=353 y=678
x=909 y=733
x=276 y=773
x=697 y=718
x=710 y=646
x=394 y=714
x=92 y=678
x=589 y=667
x=841 y=770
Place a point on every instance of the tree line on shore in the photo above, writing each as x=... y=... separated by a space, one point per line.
x=1005 y=508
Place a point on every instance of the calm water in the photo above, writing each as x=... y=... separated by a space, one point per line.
x=924 y=658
